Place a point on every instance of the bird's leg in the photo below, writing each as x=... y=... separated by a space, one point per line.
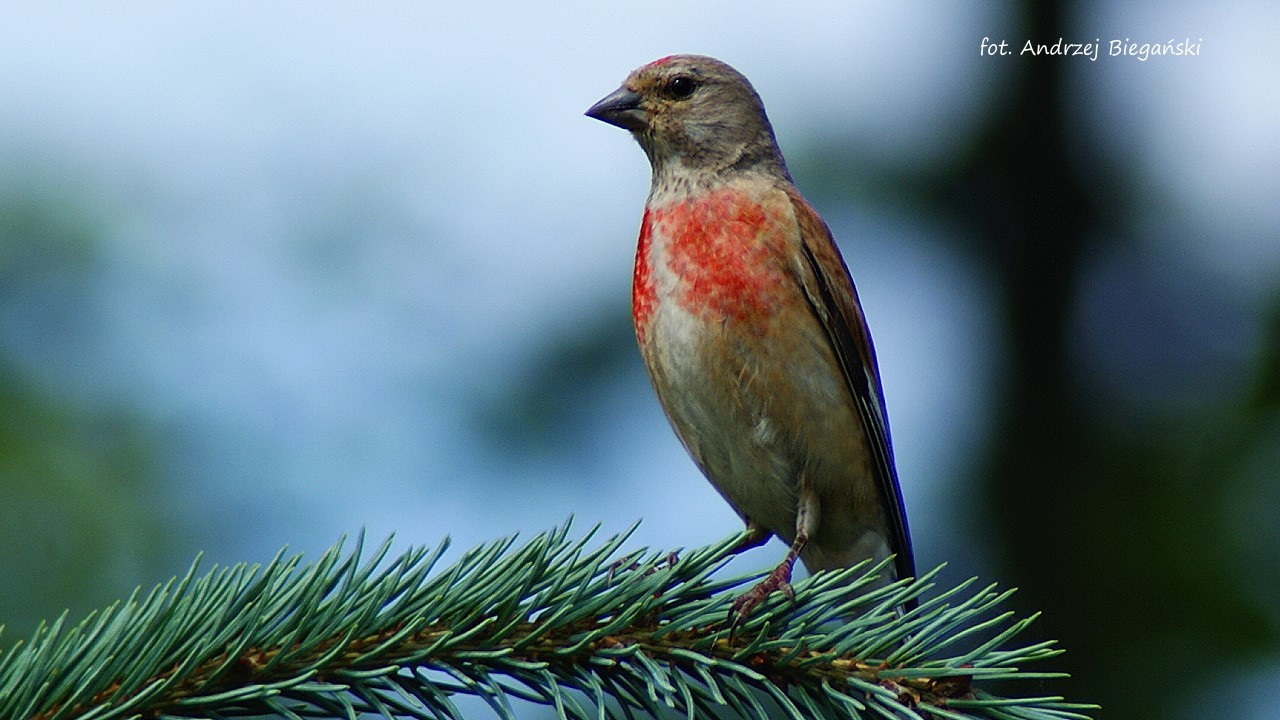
x=780 y=579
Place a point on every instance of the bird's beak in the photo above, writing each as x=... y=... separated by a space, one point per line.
x=621 y=108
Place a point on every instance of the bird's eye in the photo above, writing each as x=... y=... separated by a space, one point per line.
x=680 y=87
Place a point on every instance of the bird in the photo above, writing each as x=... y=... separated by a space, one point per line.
x=751 y=329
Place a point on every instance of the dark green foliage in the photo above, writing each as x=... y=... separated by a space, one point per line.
x=555 y=621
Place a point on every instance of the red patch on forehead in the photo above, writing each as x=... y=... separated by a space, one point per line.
x=727 y=249
x=661 y=61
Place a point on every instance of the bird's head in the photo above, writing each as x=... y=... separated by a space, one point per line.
x=692 y=111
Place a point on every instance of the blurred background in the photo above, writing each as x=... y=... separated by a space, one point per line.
x=271 y=273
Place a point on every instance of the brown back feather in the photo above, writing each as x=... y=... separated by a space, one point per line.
x=841 y=317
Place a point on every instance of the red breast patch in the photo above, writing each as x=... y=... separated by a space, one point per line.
x=724 y=248
x=643 y=296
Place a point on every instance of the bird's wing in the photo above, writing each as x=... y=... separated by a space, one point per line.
x=834 y=301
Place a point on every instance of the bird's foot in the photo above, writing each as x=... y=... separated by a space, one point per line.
x=777 y=581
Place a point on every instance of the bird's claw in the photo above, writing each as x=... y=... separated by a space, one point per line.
x=777 y=581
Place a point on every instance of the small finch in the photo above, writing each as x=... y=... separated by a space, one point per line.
x=751 y=329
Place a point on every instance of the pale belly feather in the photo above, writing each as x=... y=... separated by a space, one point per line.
x=757 y=432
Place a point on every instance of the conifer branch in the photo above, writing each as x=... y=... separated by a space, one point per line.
x=555 y=621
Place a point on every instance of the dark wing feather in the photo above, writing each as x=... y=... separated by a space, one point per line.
x=820 y=270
